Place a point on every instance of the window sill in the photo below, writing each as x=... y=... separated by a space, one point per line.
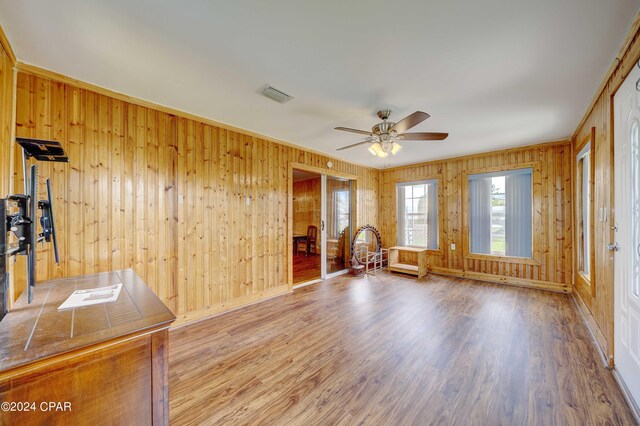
x=583 y=285
x=504 y=259
x=586 y=277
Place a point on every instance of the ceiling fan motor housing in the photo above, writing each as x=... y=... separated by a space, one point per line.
x=382 y=128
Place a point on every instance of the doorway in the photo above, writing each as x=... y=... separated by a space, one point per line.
x=627 y=208
x=321 y=209
x=307 y=238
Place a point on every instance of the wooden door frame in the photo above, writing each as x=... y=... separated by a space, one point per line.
x=585 y=286
x=321 y=171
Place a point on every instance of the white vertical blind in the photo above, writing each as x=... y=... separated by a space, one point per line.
x=432 y=216
x=518 y=215
x=480 y=215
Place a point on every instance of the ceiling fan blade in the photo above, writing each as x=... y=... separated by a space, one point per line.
x=423 y=136
x=369 y=140
x=347 y=129
x=410 y=121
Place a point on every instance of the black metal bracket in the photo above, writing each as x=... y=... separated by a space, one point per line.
x=43 y=150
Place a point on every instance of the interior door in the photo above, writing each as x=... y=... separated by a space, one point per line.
x=627 y=213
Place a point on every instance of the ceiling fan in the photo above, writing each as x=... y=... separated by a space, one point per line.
x=384 y=136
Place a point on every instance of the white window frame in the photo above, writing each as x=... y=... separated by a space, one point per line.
x=584 y=211
x=528 y=170
x=430 y=219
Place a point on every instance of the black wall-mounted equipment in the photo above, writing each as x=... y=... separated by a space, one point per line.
x=19 y=218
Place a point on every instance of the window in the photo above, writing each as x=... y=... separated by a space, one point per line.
x=583 y=203
x=341 y=205
x=418 y=214
x=500 y=213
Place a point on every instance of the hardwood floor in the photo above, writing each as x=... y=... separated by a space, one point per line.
x=394 y=350
x=306 y=268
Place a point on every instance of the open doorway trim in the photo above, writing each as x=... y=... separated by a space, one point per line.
x=321 y=171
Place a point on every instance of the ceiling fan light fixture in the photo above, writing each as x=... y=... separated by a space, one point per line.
x=396 y=148
x=376 y=149
x=387 y=146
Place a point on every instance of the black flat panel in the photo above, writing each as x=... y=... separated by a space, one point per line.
x=43 y=150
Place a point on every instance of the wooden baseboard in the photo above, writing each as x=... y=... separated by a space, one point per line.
x=307 y=283
x=241 y=302
x=499 y=279
x=232 y=305
x=635 y=410
x=600 y=341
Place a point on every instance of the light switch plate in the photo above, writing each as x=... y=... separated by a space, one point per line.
x=453 y=246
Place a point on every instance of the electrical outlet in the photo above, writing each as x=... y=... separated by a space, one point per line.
x=453 y=246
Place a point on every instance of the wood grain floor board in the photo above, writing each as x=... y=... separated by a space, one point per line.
x=390 y=349
x=306 y=268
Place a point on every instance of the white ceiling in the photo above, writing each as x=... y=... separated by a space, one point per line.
x=492 y=73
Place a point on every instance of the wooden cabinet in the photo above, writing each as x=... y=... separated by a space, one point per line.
x=103 y=363
x=408 y=260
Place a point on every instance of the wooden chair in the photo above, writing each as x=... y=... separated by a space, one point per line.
x=310 y=241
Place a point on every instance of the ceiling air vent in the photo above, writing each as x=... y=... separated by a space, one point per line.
x=275 y=94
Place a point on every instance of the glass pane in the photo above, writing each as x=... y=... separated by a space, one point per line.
x=498 y=204
x=586 y=213
x=338 y=224
x=407 y=192
x=416 y=206
x=408 y=206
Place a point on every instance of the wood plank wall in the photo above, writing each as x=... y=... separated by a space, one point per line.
x=7 y=120
x=552 y=215
x=199 y=211
x=306 y=206
x=599 y=308
x=6 y=114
